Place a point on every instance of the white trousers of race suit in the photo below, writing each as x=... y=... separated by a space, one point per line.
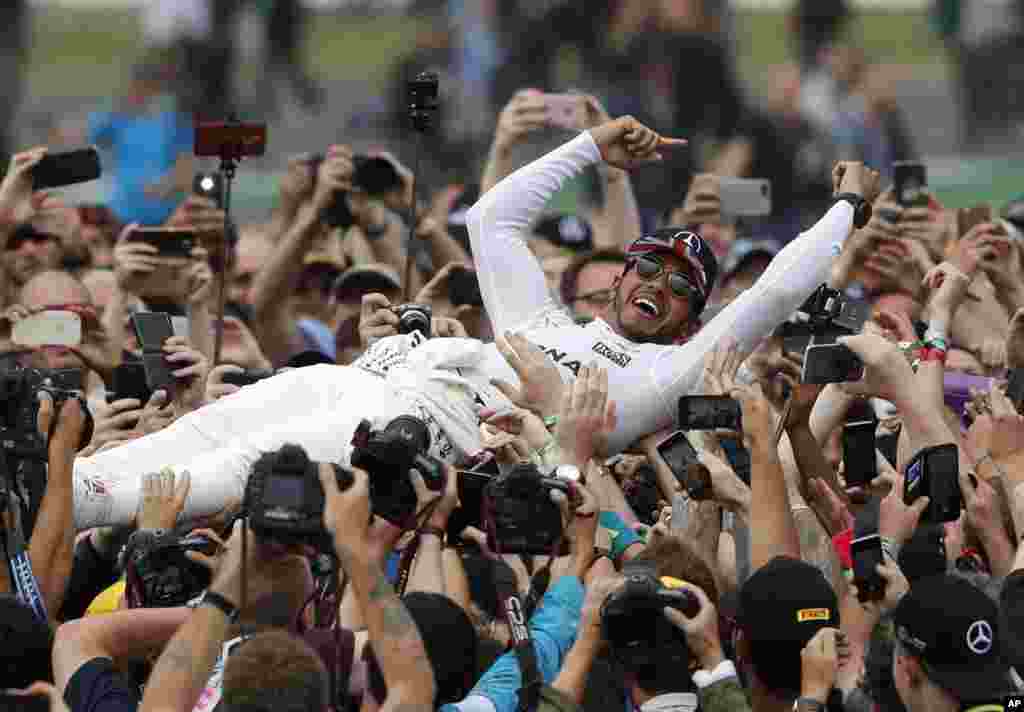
x=317 y=407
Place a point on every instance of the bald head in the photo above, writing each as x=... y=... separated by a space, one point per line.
x=52 y=287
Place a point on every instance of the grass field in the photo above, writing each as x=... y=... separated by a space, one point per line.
x=87 y=52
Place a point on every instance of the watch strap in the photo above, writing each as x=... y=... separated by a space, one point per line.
x=214 y=599
x=861 y=208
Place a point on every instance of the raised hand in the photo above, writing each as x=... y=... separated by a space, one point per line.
x=626 y=143
x=163 y=499
x=524 y=114
x=858 y=178
x=376 y=319
x=541 y=388
x=587 y=416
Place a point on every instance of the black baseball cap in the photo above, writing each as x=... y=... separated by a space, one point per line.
x=952 y=628
x=781 y=607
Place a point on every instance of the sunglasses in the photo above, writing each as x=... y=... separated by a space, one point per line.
x=649 y=268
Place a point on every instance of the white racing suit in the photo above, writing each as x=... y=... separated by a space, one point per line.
x=447 y=381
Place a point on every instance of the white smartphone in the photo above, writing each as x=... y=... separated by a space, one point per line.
x=566 y=111
x=48 y=328
x=745 y=197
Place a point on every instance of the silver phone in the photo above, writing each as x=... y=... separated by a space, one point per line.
x=745 y=197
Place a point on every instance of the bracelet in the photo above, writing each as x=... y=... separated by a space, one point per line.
x=932 y=354
x=938 y=343
x=551 y=422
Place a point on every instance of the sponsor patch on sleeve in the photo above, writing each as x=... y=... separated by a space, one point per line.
x=812 y=614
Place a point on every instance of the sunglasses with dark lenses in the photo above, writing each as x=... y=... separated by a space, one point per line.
x=27 y=233
x=649 y=268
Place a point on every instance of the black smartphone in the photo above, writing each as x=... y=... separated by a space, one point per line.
x=866 y=552
x=831 y=363
x=22 y=703
x=470 y=510
x=709 y=413
x=130 y=382
x=859 y=443
x=738 y=456
x=464 y=289
x=376 y=176
x=59 y=169
x=935 y=472
x=679 y=455
x=1015 y=386
x=247 y=377
x=152 y=329
x=910 y=183
x=169 y=242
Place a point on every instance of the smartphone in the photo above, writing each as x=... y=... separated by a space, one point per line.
x=209 y=185
x=709 y=413
x=130 y=382
x=745 y=197
x=152 y=329
x=169 y=242
x=888 y=445
x=866 y=552
x=566 y=111
x=338 y=213
x=967 y=218
x=220 y=139
x=1015 y=386
x=681 y=457
x=464 y=289
x=934 y=472
x=738 y=456
x=469 y=513
x=22 y=703
x=910 y=183
x=48 y=328
x=376 y=176
x=859 y=459
x=831 y=363
x=59 y=169
x=247 y=377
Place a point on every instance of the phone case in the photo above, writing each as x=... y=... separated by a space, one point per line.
x=152 y=329
x=859 y=460
x=745 y=197
x=48 y=328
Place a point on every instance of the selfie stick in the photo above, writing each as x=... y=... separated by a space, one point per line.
x=229 y=157
x=422 y=108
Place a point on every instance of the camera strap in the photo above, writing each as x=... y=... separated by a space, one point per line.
x=408 y=556
x=18 y=563
x=513 y=612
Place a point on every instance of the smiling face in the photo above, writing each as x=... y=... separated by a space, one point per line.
x=647 y=311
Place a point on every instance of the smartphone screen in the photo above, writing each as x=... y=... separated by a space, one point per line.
x=831 y=363
x=566 y=111
x=170 y=242
x=745 y=197
x=866 y=553
x=859 y=463
x=709 y=413
x=48 y=328
x=888 y=445
x=152 y=329
x=910 y=183
x=470 y=510
x=678 y=454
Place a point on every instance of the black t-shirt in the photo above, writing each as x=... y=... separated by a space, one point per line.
x=97 y=687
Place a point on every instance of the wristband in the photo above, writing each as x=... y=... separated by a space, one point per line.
x=930 y=354
x=433 y=531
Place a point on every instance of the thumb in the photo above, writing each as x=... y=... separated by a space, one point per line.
x=507 y=390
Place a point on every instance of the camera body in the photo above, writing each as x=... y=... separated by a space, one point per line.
x=284 y=499
x=518 y=513
x=634 y=625
x=163 y=576
x=421 y=100
x=414 y=317
x=389 y=456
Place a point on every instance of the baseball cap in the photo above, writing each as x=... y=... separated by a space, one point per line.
x=952 y=627
x=781 y=607
x=375 y=277
x=685 y=243
x=744 y=250
x=566 y=230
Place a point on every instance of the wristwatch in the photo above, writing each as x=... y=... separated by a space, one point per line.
x=861 y=208
x=229 y=609
x=807 y=704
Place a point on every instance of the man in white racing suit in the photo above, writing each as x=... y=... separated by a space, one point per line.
x=447 y=381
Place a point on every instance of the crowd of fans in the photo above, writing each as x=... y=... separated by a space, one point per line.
x=144 y=573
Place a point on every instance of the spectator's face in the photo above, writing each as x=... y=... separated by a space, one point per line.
x=49 y=290
x=595 y=289
x=27 y=257
x=670 y=316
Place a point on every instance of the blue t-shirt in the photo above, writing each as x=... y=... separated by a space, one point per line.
x=145 y=147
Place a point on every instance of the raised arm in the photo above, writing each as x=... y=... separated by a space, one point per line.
x=791 y=277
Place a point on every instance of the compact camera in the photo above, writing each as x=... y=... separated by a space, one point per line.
x=414 y=317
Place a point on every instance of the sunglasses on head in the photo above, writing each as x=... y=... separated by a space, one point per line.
x=649 y=267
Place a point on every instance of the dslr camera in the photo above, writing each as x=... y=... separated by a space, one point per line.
x=826 y=315
x=414 y=317
x=389 y=456
x=518 y=513
x=284 y=499
x=162 y=576
x=635 y=627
